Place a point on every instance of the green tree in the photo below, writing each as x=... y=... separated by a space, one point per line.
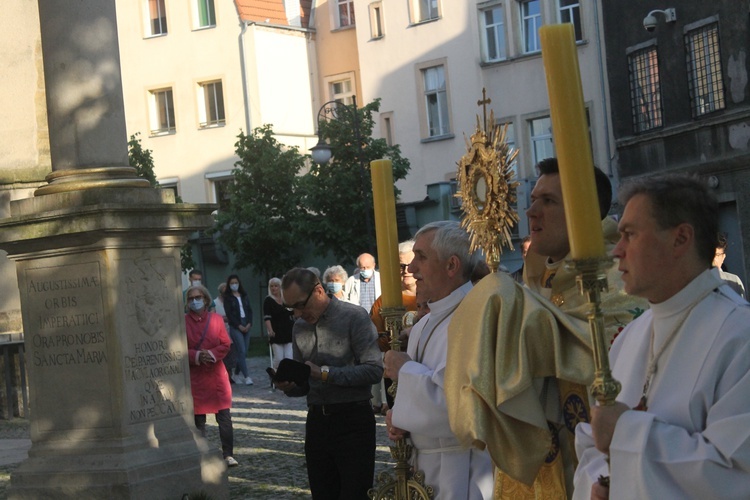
x=336 y=194
x=261 y=225
x=143 y=161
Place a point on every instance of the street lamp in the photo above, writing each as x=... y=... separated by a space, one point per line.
x=322 y=152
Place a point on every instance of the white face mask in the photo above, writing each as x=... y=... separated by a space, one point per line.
x=195 y=282
x=197 y=305
x=234 y=287
x=366 y=273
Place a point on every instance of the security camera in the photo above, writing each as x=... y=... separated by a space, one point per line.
x=649 y=22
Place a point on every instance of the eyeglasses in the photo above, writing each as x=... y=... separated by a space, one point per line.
x=196 y=297
x=404 y=267
x=301 y=305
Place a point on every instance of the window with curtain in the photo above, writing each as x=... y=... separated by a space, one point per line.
x=645 y=89
x=206 y=15
x=156 y=17
x=705 y=79
x=493 y=33
x=162 y=112
x=211 y=104
x=436 y=101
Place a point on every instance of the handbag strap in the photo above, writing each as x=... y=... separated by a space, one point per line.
x=205 y=329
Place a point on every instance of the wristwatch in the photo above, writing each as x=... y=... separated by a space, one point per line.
x=324 y=373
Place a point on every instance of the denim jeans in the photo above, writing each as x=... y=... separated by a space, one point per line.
x=240 y=346
x=340 y=453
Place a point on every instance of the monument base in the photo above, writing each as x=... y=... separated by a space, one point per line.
x=111 y=411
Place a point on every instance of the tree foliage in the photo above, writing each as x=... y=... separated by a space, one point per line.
x=262 y=224
x=336 y=194
x=143 y=161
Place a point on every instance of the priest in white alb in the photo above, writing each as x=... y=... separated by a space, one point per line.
x=442 y=267
x=680 y=427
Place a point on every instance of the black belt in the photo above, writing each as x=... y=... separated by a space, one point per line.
x=334 y=408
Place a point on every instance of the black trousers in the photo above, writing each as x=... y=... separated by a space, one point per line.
x=340 y=451
x=226 y=431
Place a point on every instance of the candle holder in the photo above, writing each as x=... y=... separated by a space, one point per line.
x=406 y=485
x=592 y=281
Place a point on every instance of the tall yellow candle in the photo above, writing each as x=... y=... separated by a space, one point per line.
x=386 y=232
x=570 y=131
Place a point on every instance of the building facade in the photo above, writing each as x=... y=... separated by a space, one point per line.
x=680 y=101
x=429 y=61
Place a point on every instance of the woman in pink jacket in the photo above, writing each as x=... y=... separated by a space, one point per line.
x=208 y=343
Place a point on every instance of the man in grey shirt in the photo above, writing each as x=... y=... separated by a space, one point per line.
x=338 y=342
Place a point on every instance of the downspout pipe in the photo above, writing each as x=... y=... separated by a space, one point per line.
x=243 y=70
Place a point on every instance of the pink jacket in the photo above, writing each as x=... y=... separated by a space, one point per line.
x=209 y=381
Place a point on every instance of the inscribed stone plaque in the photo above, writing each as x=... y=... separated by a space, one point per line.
x=67 y=347
x=155 y=371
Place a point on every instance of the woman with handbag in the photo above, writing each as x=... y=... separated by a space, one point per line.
x=208 y=344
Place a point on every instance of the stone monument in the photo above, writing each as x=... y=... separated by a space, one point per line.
x=98 y=267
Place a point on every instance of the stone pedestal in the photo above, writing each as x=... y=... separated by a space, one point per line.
x=110 y=405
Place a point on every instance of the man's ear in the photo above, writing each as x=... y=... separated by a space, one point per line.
x=684 y=238
x=453 y=266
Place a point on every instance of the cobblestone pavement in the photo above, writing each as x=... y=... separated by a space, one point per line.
x=268 y=441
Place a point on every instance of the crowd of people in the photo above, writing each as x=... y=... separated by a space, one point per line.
x=494 y=372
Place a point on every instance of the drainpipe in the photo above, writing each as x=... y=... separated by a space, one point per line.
x=243 y=70
x=602 y=83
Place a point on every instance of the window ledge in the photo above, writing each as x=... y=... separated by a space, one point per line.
x=426 y=21
x=162 y=133
x=212 y=125
x=149 y=37
x=521 y=57
x=437 y=138
x=344 y=28
x=202 y=28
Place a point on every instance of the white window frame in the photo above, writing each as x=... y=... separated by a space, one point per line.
x=215 y=178
x=536 y=21
x=543 y=138
x=344 y=20
x=570 y=11
x=345 y=96
x=209 y=103
x=376 y=21
x=422 y=11
x=171 y=183
x=162 y=122
x=498 y=29
x=443 y=128
x=210 y=8
x=157 y=26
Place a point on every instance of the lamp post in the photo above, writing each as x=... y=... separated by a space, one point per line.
x=322 y=152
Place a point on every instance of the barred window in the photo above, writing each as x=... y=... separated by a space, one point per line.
x=705 y=81
x=645 y=89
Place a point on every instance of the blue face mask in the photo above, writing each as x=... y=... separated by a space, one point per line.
x=234 y=287
x=366 y=273
x=197 y=305
x=333 y=287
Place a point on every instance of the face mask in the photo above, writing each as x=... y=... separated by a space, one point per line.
x=234 y=287
x=197 y=305
x=333 y=287
x=195 y=282
x=366 y=273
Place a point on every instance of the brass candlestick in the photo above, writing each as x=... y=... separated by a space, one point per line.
x=592 y=281
x=405 y=485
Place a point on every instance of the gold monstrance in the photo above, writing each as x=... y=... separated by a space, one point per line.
x=487 y=188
